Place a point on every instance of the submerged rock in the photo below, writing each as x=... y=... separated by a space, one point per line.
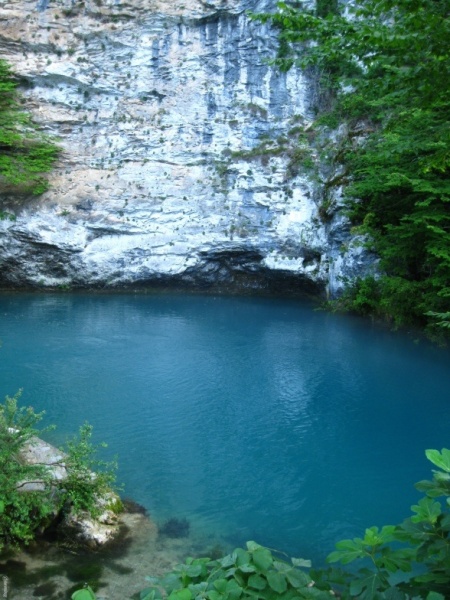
x=175 y=528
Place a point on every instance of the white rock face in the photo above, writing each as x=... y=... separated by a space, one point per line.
x=38 y=452
x=178 y=164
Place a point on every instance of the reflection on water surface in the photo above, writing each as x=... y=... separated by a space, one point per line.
x=252 y=418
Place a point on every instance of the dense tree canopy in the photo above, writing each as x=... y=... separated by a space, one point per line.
x=385 y=65
x=25 y=154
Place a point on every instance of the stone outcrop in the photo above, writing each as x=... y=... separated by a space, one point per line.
x=181 y=160
x=79 y=528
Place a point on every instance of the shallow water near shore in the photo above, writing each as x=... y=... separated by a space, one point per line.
x=252 y=418
x=45 y=570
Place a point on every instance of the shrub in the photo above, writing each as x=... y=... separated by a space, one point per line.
x=419 y=546
x=24 y=513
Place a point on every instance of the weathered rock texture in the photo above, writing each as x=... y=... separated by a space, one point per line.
x=179 y=163
x=80 y=528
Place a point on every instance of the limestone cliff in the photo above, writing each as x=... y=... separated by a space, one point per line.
x=180 y=163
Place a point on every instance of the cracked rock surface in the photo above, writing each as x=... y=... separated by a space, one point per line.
x=179 y=163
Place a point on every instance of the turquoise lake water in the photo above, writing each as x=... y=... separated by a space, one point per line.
x=253 y=418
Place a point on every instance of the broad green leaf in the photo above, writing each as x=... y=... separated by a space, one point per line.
x=427 y=511
x=440 y=459
x=170 y=582
x=194 y=570
x=262 y=558
x=229 y=559
x=281 y=566
x=221 y=585
x=432 y=489
x=183 y=594
x=351 y=545
x=84 y=594
x=257 y=582
x=215 y=595
x=411 y=532
x=298 y=579
x=370 y=582
x=252 y=546
x=347 y=551
x=445 y=522
x=233 y=590
x=247 y=569
x=241 y=557
x=394 y=593
x=301 y=562
x=374 y=537
x=397 y=559
x=147 y=594
x=435 y=596
x=230 y=572
x=441 y=477
x=2 y=506
x=258 y=594
x=277 y=581
x=198 y=588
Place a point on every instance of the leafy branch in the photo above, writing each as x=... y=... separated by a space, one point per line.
x=26 y=509
x=384 y=67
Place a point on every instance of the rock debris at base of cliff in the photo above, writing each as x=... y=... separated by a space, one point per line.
x=178 y=141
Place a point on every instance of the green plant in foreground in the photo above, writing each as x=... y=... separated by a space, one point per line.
x=420 y=547
x=24 y=513
x=85 y=593
x=253 y=572
x=81 y=488
x=20 y=513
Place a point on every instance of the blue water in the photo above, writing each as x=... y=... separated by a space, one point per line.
x=254 y=418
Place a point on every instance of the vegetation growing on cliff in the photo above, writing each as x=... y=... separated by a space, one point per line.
x=24 y=513
x=26 y=155
x=383 y=69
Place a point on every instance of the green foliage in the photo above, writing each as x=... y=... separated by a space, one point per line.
x=25 y=153
x=419 y=548
x=420 y=545
x=21 y=513
x=87 y=477
x=85 y=593
x=245 y=574
x=24 y=513
x=386 y=65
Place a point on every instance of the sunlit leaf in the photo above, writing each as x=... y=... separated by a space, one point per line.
x=183 y=594
x=440 y=459
x=301 y=562
x=426 y=510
